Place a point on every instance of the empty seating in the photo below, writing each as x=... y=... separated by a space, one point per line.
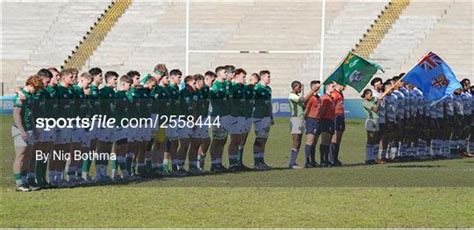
x=452 y=39
x=152 y=32
x=43 y=34
x=412 y=27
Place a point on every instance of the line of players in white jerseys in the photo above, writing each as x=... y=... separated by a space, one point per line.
x=403 y=125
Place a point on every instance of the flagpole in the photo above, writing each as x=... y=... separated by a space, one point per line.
x=337 y=66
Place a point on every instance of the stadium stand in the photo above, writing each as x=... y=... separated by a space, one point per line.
x=452 y=39
x=271 y=26
x=406 y=34
x=151 y=32
x=127 y=34
x=96 y=34
x=342 y=34
x=43 y=39
x=376 y=33
x=21 y=37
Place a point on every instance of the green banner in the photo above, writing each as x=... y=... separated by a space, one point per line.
x=354 y=71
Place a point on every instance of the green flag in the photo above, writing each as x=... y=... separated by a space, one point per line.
x=354 y=71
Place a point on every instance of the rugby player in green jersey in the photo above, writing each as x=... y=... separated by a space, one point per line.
x=160 y=162
x=22 y=133
x=237 y=105
x=45 y=139
x=143 y=91
x=86 y=135
x=159 y=71
x=133 y=138
x=80 y=108
x=187 y=109
x=248 y=115
x=105 y=134
x=205 y=89
x=93 y=100
x=220 y=112
x=172 y=132
x=263 y=119
x=121 y=111
x=198 y=133
x=65 y=99
x=52 y=106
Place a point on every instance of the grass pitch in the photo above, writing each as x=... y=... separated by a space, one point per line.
x=412 y=194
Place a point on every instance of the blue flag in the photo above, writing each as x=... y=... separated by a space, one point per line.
x=433 y=77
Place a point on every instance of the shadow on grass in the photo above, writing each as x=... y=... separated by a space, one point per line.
x=414 y=166
x=319 y=167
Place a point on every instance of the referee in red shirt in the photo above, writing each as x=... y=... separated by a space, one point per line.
x=340 y=124
x=328 y=115
x=312 y=117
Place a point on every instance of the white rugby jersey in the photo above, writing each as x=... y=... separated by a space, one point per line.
x=400 y=104
x=442 y=108
x=467 y=100
x=416 y=102
x=391 y=108
x=407 y=101
x=439 y=109
x=382 y=111
x=458 y=104
x=449 y=105
x=426 y=107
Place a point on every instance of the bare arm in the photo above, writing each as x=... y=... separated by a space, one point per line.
x=17 y=89
x=379 y=103
x=377 y=106
x=308 y=95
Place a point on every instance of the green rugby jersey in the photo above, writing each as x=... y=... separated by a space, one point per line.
x=106 y=101
x=143 y=95
x=51 y=104
x=189 y=101
x=122 y=105
x=40 y=100
x=219 y=96
x=237 y=100
x=65 y=100
x=81 y=104
x=26 y=106
x=161 y=95
x=263 y=101
x=368 y=105
x=134 y=106
x=297 y=106
x=175 y=99
x=94 y=99
x=203 y=101
x=249 y=101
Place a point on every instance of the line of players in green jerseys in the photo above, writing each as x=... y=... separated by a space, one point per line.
x=403 y=125
x=222 y=101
